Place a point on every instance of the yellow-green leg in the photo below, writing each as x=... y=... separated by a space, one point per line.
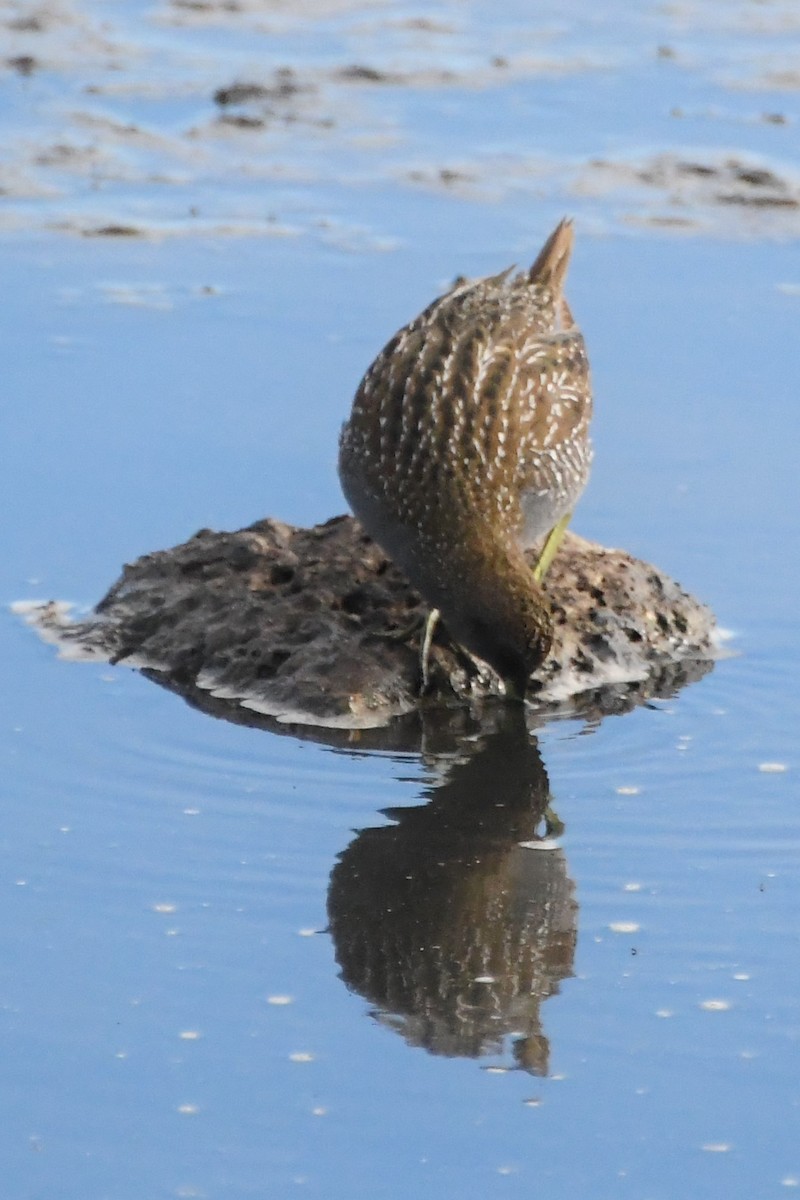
x=552 y=542
x=553 y=824
x=427 y=638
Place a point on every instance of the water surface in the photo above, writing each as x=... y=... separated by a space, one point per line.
x=228 y=970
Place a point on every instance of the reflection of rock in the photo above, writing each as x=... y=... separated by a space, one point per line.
x=292 y=623
x=446 y=924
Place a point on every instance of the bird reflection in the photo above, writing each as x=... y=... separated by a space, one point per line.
x=458 y=919
x=449 y=921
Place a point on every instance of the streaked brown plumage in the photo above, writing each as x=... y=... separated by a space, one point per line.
x=468 y=441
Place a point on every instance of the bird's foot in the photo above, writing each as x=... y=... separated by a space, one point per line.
x=406 y=633
x=425 y=627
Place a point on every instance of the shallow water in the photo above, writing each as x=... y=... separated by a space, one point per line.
x=226 y=970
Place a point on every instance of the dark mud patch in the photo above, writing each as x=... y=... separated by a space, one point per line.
x=341 y=104
x=697 y=193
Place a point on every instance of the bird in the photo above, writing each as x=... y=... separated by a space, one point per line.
x=468 y=442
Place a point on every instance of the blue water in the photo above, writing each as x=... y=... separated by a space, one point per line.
x=177 y=904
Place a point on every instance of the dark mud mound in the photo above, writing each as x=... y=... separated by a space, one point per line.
x=317 y=627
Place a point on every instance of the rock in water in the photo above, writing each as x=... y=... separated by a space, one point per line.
x=318 y=627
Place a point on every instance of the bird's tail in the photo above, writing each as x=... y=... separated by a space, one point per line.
x=550 y=268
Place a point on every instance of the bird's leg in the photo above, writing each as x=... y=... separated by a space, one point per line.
x=553 y=825
x=425 y=651
x=552 y=542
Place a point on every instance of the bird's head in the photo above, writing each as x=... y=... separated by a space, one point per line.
x=503 y=616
